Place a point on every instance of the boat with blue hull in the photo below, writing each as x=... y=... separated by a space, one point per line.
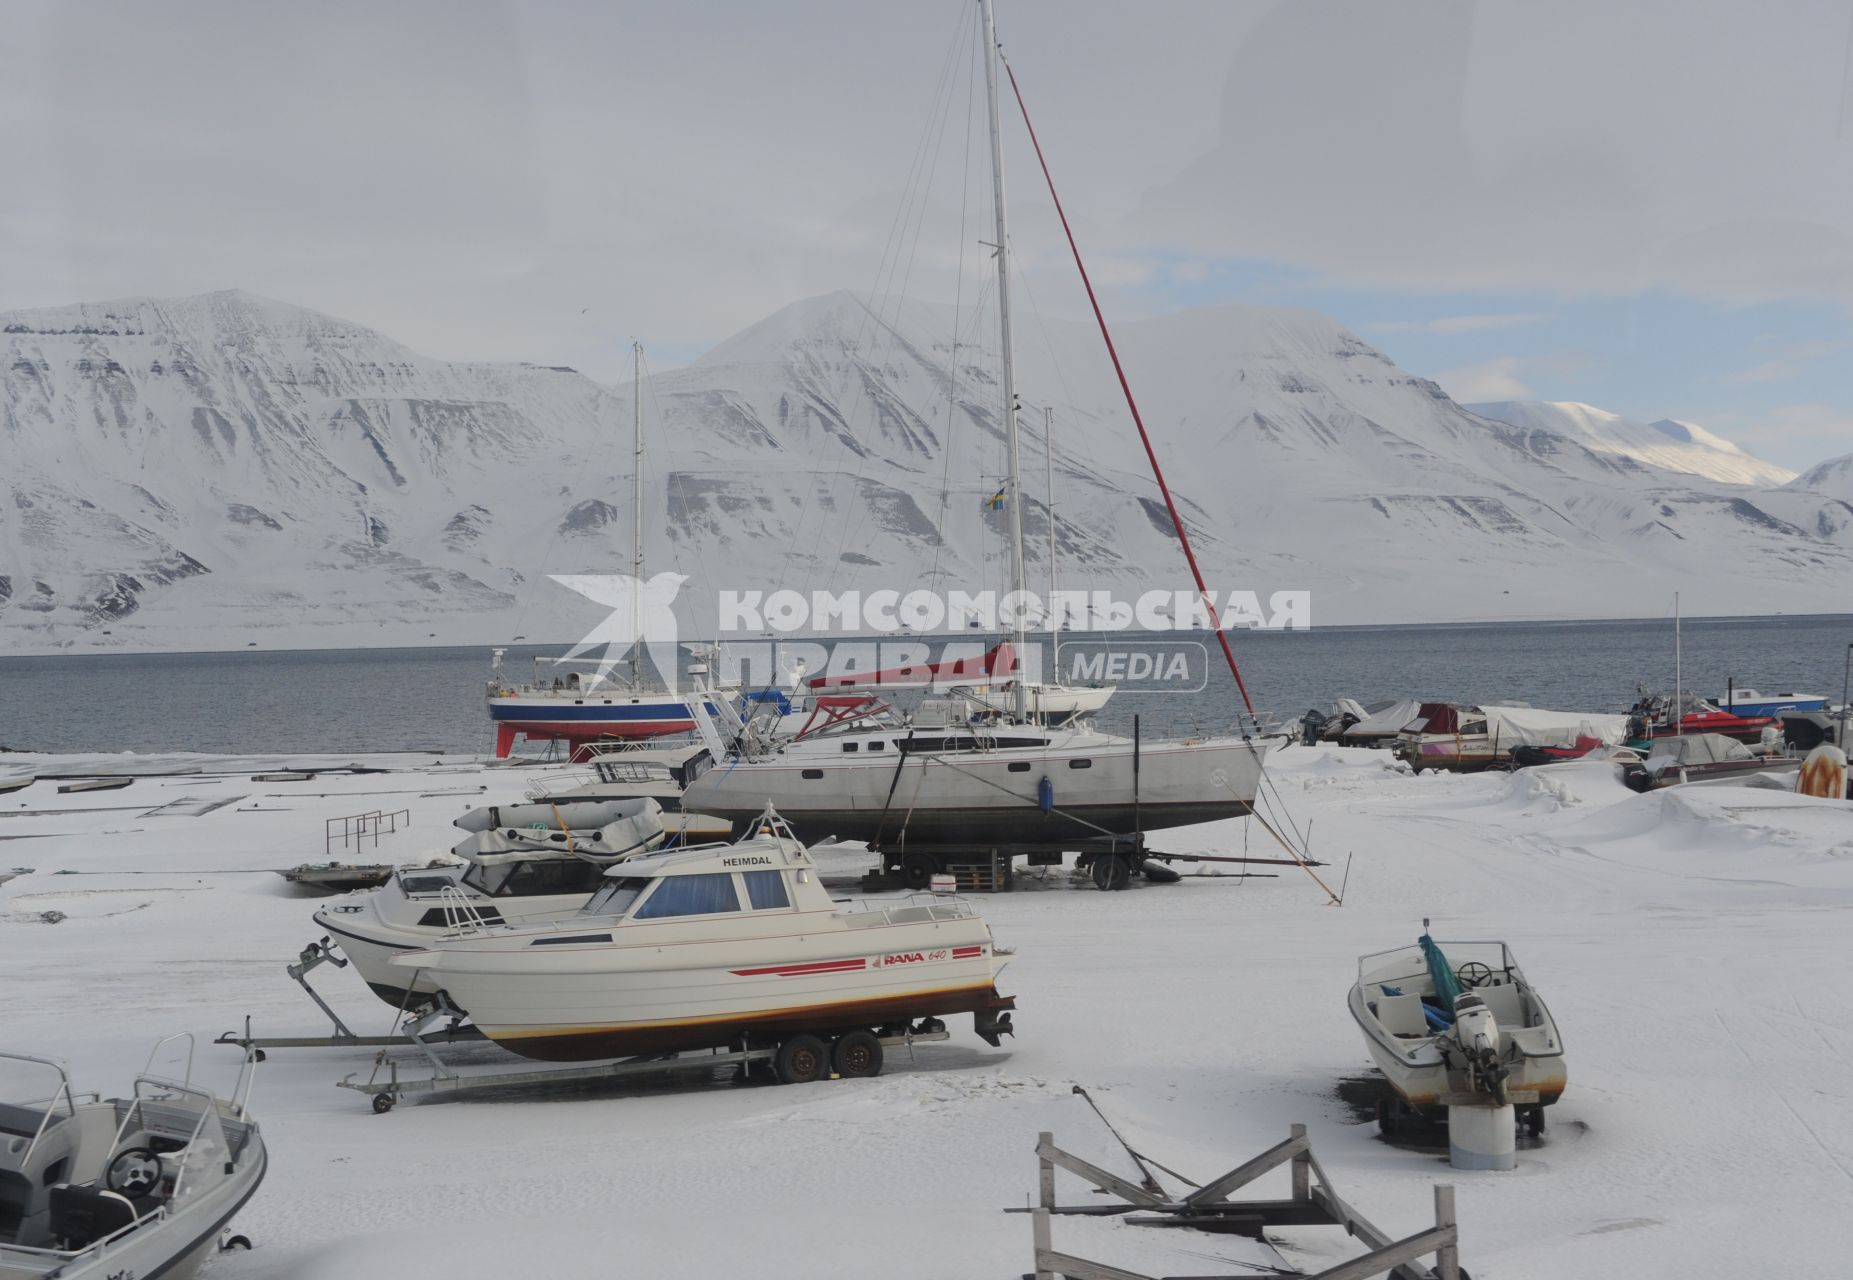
x=1750 y=703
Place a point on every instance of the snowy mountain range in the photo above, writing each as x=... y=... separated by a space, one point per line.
x=1833 y=478
x=1668 y=444
x=221 y=470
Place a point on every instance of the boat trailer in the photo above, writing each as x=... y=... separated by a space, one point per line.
x=432 y=1024
x=387 y=1093
x=1311 y=1202
x=312 y=956
x=1110 y=861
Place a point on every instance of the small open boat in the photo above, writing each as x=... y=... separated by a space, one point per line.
x=101 y=1188
x=95 y=784
x=1457 y=1022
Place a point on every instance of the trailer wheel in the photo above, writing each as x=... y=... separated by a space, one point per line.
x=856 y=1055
x=382 y=1103
x=918 y=870
x=234 y=1243
x=800 y=1060
x=1111 y=871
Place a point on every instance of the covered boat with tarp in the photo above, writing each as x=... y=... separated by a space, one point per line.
x=1382 y=721
x=1443 y=736
x=1703 y=757
x=1448 y=1022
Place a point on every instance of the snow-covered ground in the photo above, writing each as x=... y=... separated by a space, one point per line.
x=1693 y=945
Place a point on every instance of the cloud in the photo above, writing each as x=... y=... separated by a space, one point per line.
x=1495 y=379
x=1449 y=325
x=1574 y=149
x=482 y=179
x=1796 y=435
x=1788 y=364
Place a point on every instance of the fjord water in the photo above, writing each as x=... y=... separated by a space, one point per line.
x=338 y=700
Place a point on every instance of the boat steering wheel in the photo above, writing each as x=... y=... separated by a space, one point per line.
x=136 y=1171
x=1474 y=974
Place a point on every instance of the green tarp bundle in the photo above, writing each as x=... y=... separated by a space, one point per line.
x=1441 y=973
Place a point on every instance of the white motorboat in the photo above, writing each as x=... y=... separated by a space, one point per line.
x=621 y=773
x=96 y=1188
x=1455 y=1022
x=509 y=873
x=17 y=782
x=722 y=945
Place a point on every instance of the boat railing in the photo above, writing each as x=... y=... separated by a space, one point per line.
x=910 y=912
x=179 y=1108
x=1458 y=952
x=50 y=1104
x=460 y=914
x=542 y=788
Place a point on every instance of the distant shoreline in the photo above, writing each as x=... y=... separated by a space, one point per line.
x=1244 y=635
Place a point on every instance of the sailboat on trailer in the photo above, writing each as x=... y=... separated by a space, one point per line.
x=968 y=775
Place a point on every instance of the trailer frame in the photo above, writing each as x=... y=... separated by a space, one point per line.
x=443 y=1080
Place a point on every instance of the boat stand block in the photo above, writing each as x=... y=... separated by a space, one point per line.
x=1482 y=1137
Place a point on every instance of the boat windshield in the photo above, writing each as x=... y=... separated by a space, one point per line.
x=616 y=897
x=530 y=878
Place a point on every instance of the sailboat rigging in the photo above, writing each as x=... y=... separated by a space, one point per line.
x=965 y=775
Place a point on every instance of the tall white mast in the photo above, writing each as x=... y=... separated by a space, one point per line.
x=1055 y=617
x=1679 y=711
x=637 y=510
x=1013 y=488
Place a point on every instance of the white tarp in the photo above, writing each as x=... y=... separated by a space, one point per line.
x=1386 y=722
x=1697 y=748
x=1510 y=727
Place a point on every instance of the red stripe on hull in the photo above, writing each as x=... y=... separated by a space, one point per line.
x=791 y=970
x=618 y=1042
x=587 y=730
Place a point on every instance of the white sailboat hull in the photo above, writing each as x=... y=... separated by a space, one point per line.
x=988 y=797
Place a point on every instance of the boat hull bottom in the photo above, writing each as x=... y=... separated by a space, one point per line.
x=398 y=997
x=592 y=1043
x=989 y=828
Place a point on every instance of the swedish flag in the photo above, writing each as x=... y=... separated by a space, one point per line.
x=996 y=501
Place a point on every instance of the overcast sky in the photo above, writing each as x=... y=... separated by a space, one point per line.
x=1647 y=206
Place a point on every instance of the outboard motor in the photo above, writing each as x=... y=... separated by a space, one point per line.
x=1478 y=1033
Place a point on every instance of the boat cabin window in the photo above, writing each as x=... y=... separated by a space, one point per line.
x=439 y=918
x=535 y=879
x=700 y=895
x=854 y=746
x=425 y=884
x=766 y=889
x=632 y=771
x=616 y=897
x=878 y=745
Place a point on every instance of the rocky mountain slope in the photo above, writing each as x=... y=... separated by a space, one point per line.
x=224 y=470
